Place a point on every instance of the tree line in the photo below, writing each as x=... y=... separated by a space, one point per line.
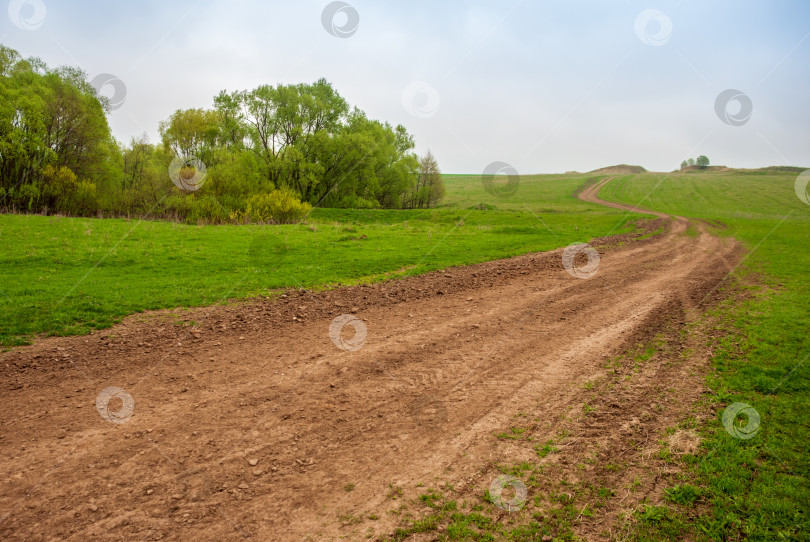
x=701 y=161
x=283 y=146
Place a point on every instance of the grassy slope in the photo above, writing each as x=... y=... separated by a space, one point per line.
x=63 y=276
x=757 y=488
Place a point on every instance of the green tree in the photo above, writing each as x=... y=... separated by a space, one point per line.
x=144 y=183
x=233 y=132
x=48 y=117
x=702 y=161
x=309 y=142
x=76 y=126
x=684 y=164
x=429 y=188
x=274 y=120
x=192 y=132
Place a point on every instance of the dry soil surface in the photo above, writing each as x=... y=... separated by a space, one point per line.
x=253 y=423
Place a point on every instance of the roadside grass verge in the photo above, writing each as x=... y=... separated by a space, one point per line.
x=744 y=488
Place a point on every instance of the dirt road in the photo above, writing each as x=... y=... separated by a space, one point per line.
x=253 y=423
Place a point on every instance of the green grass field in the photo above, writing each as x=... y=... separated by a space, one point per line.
x=757 y=488
x=70 y=275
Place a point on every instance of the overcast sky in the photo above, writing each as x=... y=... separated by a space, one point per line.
x=545 y=86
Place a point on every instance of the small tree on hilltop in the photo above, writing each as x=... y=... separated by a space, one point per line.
x=684 y=164
x=702 y=161
x=691 y=162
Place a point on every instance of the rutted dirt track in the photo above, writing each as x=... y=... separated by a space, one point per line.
x=252 y=424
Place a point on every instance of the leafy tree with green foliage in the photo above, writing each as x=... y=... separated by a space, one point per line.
x=48 y=117
x=192 y=132
x=309 y=141
x=702 y=161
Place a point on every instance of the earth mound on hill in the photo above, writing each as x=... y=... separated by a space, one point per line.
x=705 y=168
x=621 y=169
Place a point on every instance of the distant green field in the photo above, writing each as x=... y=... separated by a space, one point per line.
x=69 y=275
x=547 y=193
x=756 y=489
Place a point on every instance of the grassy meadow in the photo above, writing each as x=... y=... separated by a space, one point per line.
x=70 y=275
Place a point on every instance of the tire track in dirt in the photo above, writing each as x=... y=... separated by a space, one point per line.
x=252 y=424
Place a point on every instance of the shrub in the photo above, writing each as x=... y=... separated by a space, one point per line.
x=58 y=187
x=27 y=197
x=237 y=217
x=277 y=207
x=83 y=200
x=177 y=207
x=207 y=209
x=232 y=204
